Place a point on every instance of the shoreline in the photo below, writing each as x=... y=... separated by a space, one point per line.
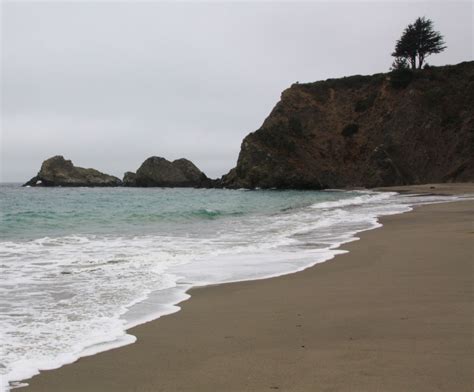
x=108 y=361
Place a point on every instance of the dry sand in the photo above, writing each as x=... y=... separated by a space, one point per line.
x=394 y=314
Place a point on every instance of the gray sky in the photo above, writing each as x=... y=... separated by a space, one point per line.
x=109 y=84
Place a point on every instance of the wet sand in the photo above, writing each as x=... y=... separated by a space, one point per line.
x=393 y=314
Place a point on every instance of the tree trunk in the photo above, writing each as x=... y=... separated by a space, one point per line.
x=420 y=61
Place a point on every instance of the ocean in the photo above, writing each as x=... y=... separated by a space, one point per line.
x=80 y=266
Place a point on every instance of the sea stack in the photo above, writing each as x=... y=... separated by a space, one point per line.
x=57 y=171
x=159 y=172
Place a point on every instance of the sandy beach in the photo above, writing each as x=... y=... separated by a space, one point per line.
x=395 y=313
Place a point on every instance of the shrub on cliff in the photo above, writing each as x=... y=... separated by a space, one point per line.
x=401 y=78
x=350 y=130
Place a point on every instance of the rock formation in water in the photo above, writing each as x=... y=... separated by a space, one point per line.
x=365 y=131
x=57 y=171
x=159 y=172
x=129 y=179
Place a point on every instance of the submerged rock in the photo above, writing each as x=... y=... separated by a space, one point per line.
x=57 y=171
x=159 y=172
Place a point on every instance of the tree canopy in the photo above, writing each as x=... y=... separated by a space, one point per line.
x=418 y=41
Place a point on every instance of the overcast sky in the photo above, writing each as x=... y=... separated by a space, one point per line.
x=109 y=84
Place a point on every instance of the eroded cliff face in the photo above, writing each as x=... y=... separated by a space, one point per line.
x=365 y=131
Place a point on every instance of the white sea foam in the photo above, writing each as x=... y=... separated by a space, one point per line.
x=67 y=297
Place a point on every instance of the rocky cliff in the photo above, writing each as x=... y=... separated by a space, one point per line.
x=57 y=171
x=159 y=172
x=385 y=129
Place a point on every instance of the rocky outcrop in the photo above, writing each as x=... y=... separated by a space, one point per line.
x=57 y=171
x=129 y=179
x=379 y=130
x=159 y=172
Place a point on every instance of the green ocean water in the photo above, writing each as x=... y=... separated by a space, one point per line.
x=30 y=213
